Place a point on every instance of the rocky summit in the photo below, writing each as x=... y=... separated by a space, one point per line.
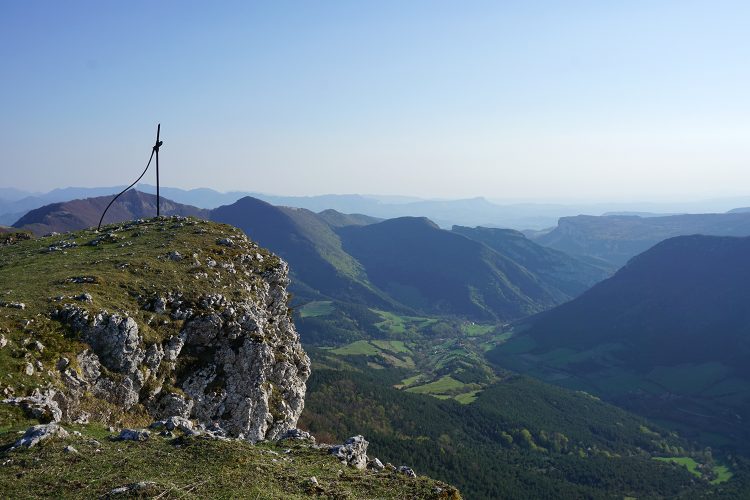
x=149 y=320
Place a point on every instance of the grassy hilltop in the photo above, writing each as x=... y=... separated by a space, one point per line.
x=121 y=269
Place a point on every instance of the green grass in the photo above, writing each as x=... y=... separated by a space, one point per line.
x=360 y=347
x=467 y=397
x=125 y=271
x=409 y=381
x=723 y=474
x=193 y=467
x=316 y=308
x=476 y=330
x=399 y=362
x=687 y=462
x=447 y=387
x=441 y=386
x=389 y=352
x=396 y=324
x=396 y=346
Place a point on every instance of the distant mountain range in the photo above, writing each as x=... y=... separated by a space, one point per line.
x=407 y=264
x=667 y=336
x=615 y=239
x=446 y=213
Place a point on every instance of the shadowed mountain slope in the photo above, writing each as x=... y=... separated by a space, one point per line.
x=667 y=335
x=566 y=273
x=437 y=271
x=309 y=244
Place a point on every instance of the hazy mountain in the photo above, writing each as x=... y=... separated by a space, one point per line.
x=446 y=213
x=10 y=218
x=637 y=214
x=81 y=214
x=668 y=335
x=200 y=197
x=337 y=219
x=9 y=194
x=616 y=239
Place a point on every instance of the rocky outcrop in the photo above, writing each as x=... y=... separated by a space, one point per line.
x=40 y=405
x=236 y=363
x=38 y=433
x=353 y=452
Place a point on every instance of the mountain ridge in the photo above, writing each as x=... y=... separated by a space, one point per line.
x=320 y=249
x=667 y=336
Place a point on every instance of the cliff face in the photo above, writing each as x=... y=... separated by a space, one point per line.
x=160 y=318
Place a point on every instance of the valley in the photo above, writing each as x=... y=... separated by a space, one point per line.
x=403 y=320
x=423 y=250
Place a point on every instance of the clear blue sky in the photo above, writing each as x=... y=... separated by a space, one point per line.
x=535 y=100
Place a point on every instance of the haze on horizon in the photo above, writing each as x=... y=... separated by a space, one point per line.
x=572 y=100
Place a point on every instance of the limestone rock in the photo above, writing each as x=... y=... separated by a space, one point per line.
x=40 y=405
x=298 y=435
x=175 y=422
x=38 y=433
x=141 y=489
x=133 y=435
x=353 y=452
x=84 y=297
x=35 y=345
x=114 y=338
x=237 y=363
x=407 y=471
x=375 y=464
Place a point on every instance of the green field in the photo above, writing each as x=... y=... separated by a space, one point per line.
x=409 y=381
x=391 y=353
x=723 y=474
x=441 y=386
x=360 y=347
x=396 y=346
x=447 y=387
x=195 y=468
x=396 y=324
x=316 y=308
x=467 y=397
x=474 y=330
